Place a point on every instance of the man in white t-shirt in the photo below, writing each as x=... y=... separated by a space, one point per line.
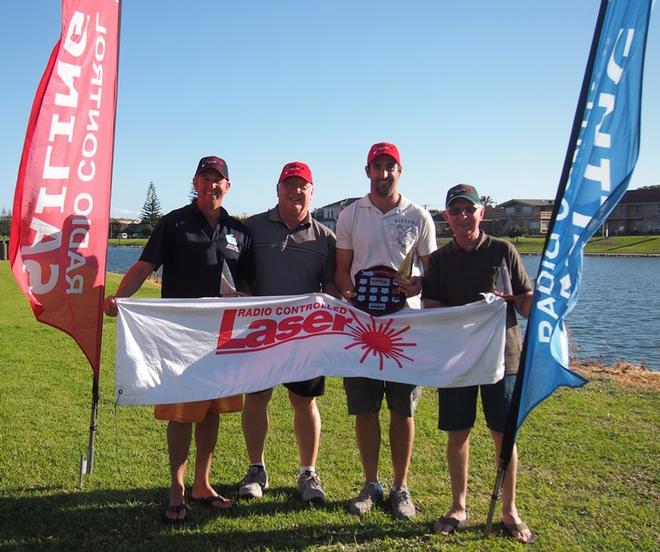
x=380 y=229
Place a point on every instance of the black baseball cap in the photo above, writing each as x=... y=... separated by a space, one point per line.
x=213 y=162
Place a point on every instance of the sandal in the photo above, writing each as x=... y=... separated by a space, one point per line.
x=216 y=502
x=176 y=509
x=515 y=531
x=447 y=525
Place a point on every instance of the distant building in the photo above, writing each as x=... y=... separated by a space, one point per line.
x=118 y=227
x=128 y=228
x=125 y=221
x=638 y=212
x=492 y=223
x=441 y=226
x=532 y=214
x=328 y=213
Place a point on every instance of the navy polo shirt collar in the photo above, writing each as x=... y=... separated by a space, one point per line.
x=224 y=215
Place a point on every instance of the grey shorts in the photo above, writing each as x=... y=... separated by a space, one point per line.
x=457 y=407
x=365 y=396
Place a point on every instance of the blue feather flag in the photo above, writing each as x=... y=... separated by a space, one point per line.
x=601 y=156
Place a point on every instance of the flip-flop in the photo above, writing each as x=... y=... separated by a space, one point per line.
x=216 y=502
x=176 y=509
x=447 y=525
x=514 y=530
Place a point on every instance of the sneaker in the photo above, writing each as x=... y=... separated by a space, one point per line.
x=401 y=503
x=371 y=494
x=254 y=483
x=309 y=486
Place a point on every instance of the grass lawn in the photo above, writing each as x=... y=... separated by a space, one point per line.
x=589 y=477
x=638 y=245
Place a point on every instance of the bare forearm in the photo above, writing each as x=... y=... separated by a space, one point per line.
x=523 y=303
x=343 y=273
x=134 y=278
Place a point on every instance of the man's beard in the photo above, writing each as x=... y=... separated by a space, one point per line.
x=384 y=188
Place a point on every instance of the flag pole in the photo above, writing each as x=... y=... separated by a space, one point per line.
x=87 y=462
x=509 y=437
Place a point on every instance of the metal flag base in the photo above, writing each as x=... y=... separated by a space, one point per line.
x=494 y=498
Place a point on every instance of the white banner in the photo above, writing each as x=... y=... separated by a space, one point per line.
x=180 y=350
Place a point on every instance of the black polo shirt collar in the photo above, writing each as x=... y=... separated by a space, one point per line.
x=224 y=215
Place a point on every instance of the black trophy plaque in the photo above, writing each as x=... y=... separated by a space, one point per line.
x=377 y=292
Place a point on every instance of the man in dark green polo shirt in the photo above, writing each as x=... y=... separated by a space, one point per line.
x=457 y=274
x=294 y=254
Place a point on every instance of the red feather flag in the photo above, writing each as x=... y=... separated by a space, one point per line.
x=61 y=207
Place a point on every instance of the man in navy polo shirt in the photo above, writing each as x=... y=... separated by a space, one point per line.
x=192 y=244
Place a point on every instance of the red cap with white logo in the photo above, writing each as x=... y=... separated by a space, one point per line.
x=383 y=148
x=296 y=168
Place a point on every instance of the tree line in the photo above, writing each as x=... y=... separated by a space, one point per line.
x=151 y=213
x=149 y=216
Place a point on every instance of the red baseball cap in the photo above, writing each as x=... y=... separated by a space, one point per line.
x=296 y=168
x=383 y=148
x=213 y=162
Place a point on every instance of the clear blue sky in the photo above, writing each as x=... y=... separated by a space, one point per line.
x=481 y=92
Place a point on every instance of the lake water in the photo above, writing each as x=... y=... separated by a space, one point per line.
x=616 y=317
x=617 y=314
x=120 y=259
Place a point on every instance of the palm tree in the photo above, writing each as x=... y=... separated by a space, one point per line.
x=487 y=201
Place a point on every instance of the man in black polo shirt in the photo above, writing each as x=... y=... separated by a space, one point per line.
x=192 y=244
x=458 y=272
x=294 y=254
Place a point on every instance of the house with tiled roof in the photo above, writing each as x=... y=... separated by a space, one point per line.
x=532 y=214
x=638 y=212
x=328 y=213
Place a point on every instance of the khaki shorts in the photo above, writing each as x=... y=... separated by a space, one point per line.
x=197 y=411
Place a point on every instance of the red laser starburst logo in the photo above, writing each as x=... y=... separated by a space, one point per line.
x=379 y=339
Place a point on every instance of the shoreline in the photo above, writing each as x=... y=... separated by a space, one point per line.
x=631 y=255
x=623 y=373
x=534 y=253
